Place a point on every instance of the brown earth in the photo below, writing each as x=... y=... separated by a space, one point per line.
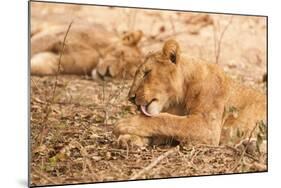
x=72 y=116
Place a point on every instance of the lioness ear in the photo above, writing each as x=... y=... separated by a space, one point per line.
x=171 y=50
x=132 y=38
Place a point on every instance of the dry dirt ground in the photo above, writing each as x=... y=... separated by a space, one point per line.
x=72 y=117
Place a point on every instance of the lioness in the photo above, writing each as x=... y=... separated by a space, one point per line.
x=187 y=99
x=84 y=49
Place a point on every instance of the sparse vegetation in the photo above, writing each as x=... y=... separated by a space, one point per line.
x=72 y=117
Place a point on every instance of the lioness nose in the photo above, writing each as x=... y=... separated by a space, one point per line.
x=132 y=98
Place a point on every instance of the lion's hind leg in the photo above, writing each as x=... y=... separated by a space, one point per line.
x=244 y=123
x=44 y=63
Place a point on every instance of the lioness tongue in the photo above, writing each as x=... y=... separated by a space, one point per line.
x=143 y=109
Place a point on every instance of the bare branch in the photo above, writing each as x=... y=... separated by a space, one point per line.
x=51 y=101
x=219 y=41
x=245 y=149
x=154 y=163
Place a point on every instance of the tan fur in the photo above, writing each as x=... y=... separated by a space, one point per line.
x=86 y=47
x=122 y=59
x=194 y=98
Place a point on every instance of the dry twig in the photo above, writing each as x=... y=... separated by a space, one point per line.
x=49 y=103
x=245 y=149
x=172 y=25
x=154 y=163
x=246 y=154
x=217 y=42
x=44 y=176
x=86 y=160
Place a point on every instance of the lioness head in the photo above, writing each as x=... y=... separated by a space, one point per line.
x=158 y=81
x=120 y=60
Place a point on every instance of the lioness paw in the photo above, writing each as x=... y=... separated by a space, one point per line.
x=134 y=125
x=126 y=140
x=123 y=126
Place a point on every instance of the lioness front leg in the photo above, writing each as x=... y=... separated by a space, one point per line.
x=195 y=129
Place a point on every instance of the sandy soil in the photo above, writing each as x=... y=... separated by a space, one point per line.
x=71 y=139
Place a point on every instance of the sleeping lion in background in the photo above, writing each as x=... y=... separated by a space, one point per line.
x=189 y=100
x=89 y=50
